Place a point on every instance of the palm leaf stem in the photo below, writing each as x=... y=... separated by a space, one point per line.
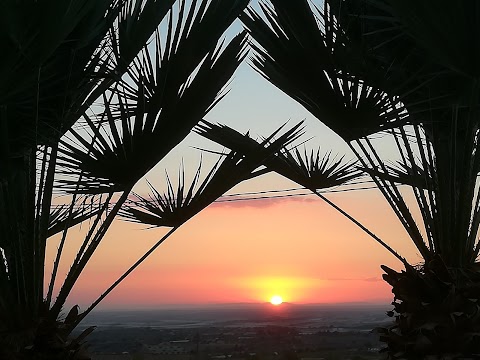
x=93 y=227
x=475 y=221
x=37 y=264
x=58 y=256
x=444 y=202
x=418 y=192
x=43 y=223
x=476 y=210
x=402 y=206
x=457 y=178
x=429 y=180
x=137 y=29
x=40 y=189
x=125 y=274
x=37 y=267
x=78 y=266
x=467 y=194
x=379 y=181
x=395 y=193
x=361 y=226
x=395 y=203
x=472 y=236
x=64 y=236
x=476 y=251
x=76 y=218
x=433 y=198
x=471 y=174
x=446 y=198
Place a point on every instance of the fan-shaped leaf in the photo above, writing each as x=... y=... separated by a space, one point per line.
x=143 y=123
x=175 y=207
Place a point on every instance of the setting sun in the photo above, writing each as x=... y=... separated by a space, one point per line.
x=276 y=300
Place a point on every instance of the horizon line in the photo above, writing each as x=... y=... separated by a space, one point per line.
x=173 y=306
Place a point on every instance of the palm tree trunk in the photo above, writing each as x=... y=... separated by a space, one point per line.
x=436 y=313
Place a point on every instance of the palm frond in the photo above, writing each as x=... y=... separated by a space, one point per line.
x=404 y=174
x=178 y=205
x=171 y=208
x=171 y=93
x=308 y=59
x=66 y=216
x=49 y=65
x=315 y=171
x=58 y=59
x=137 y=21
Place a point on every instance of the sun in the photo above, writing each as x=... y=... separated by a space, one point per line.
x=276 y=300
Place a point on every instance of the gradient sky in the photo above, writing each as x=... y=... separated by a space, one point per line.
x=298 y=248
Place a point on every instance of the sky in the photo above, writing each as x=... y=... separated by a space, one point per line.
x=247 y=251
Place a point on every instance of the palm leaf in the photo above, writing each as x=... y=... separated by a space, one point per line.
x=52 y=64
x=176 y=207
x=138 y=20
x=143 y=123
x=315 y=171
x=404 y=174
x=307 y=59
x=312 y=171
x=66 y=216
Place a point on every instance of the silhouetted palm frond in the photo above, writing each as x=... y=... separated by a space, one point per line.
x=312 y=171
x=315 y=171
x=65 y=216
x=236 y=141
x=171 y=92
x=164 y=209
x=178 y=205
x=309 y=59
x=404 y=174
x=51 y=66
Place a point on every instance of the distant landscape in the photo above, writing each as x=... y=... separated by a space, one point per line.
x=244 y=331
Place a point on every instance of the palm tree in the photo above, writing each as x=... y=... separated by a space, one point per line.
x=93 y=94
x=406 y=71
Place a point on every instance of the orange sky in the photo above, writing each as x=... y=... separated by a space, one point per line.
x=298 y=248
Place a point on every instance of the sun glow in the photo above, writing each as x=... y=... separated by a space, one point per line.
x=276 y=300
